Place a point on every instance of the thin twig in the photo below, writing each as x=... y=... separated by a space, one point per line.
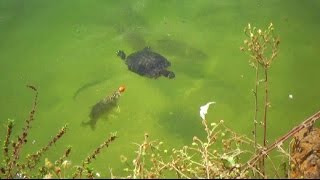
x=305 y=124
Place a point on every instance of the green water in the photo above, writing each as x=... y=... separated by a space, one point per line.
x=59 y=46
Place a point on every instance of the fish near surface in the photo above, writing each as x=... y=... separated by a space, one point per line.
x=103 y=106
x=180 y=49
x=86 y=86
x=188 y=59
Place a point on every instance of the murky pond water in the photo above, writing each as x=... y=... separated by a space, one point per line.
x=68 y=51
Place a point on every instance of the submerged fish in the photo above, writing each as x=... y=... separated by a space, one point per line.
x=103 y=106
x=86 y=86
x=180 y=49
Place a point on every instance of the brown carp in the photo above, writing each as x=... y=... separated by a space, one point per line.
x=103 y=106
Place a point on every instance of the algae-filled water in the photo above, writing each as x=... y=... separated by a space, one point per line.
x=67 y=49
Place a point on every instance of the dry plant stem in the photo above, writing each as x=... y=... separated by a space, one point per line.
x=266 y=104
x=22 y=139
x=290 y=158
x=6 y=142
x=256 y=107
x=243 y=139
x=138 y=171
x=179 y=172
x=197 y=161
x=111 y=174
x=93 y=155
x=65 y=155
x=287 y=154
x=257 y=45
x=255 y=120
x=192 y=161
x=97 y=151
x=205 y=153
x=138 y=165
x=273 y=166
x=34 y=158
x=305 y=124
x=205 y=148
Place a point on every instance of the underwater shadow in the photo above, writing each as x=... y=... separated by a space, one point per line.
x=185 y=58
x=180 y=121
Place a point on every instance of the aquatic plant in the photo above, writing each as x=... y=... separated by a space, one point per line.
x=85 y=164
x=201 y=159
x=262 y=47
x=204 y=159
x=49 y=170
x=63 y=165
x=12 y=165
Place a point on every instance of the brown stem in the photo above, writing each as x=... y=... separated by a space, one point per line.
x=266 y=104
x=33 y=159
x=22 y=139
x=205 y=149
x=256 y=108
x=305 y=124
x=93 y=155
x=7 y=142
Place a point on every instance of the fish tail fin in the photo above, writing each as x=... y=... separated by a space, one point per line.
x=84 y=123
x=92 y=126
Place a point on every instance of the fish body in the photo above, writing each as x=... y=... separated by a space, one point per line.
x=104 y=106
x=86 y=86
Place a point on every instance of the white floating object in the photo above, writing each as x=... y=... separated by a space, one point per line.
x=204 y=109
x=290 y=96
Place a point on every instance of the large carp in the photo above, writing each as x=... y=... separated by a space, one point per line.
x=103 y=106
